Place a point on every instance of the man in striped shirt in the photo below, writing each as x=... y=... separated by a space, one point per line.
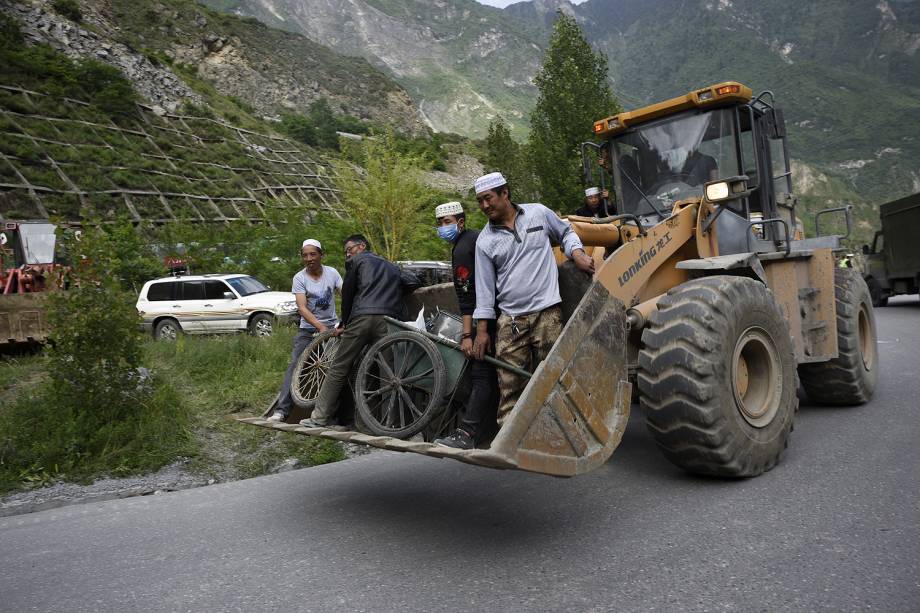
x=516 y=270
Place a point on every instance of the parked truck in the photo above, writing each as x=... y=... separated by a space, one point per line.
x=892 y=263
x=27 y=272
x=708 y=301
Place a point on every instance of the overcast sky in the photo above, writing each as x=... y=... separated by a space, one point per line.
x=504 y=3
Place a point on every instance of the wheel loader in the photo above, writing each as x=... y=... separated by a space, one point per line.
x=708 y=303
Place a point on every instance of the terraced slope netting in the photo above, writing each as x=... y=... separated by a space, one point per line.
x=65 y=159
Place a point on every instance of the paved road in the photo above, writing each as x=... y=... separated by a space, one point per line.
x=835 y=527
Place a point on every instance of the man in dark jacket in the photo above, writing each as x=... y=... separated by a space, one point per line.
x=483 y=401
x=373 y=288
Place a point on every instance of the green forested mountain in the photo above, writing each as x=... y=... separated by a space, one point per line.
x=462 y=62
x=847 y=72
x=168 y=48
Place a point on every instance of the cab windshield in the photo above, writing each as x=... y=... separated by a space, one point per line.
x=37 y=240
x=658 y=163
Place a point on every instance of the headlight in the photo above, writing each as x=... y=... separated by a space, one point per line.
x=728 y=188
x=288 y=306
x=717 y=191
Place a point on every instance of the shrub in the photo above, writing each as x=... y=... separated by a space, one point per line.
x=388 y=200
x=192 y=109
x=108 y=89
x=319 y=126
x=299 y=128
x=68 y=8
x=96 y=345
x=97 y=410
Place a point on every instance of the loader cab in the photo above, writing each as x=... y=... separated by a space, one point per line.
x=26 y=243
x=666 y=152
x=656 y=164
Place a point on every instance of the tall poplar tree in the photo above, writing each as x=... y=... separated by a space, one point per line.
x=510 y=158
x=574 y=93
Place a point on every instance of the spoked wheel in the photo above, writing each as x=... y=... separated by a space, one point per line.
x=311 y=369
x=400 y=385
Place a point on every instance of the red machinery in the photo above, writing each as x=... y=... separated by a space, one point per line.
x=27 y=257
x=27 y=271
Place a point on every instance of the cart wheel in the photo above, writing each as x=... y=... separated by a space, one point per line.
x=400 y=385
x=311 y=368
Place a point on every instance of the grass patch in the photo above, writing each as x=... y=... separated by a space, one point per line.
x=41 y=441
x=221 y=377
x=201 y=384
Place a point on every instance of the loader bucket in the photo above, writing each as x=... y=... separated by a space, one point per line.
x=574 y=410
x=572 y=414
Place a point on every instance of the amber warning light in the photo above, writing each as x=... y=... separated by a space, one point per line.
x=728 y=89
x=599 y=126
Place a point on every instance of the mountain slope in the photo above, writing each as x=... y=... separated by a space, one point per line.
x=462 y=62
x=154 y=41
x=847 y=73
x=74 y=145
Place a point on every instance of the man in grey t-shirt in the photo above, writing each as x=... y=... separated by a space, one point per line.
x=314 y=289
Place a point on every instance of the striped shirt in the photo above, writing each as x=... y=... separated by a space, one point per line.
x=517 y=266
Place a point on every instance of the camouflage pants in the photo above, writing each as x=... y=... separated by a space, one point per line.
x=523 y=341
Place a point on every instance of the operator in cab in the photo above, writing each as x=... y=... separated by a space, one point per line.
x=594 y=203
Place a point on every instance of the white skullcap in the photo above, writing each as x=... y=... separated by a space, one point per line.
x=489 y=181
x=311 y=242
x=448 y=208
x=592 y=191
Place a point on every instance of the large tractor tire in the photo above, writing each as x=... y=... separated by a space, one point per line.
x=717 y=377
x=850 y=378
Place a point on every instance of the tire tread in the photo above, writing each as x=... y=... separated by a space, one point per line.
x=679 y=384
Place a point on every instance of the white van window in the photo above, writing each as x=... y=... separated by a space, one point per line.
x=192 y=290
x=215 y=290
x=161 y=291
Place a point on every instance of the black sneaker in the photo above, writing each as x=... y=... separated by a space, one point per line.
x=458 y=439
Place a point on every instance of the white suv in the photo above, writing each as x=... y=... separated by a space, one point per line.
x=212 y=304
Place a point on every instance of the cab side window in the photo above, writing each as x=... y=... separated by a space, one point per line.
x=159 y=292
x=214 y=290
x=192 y=290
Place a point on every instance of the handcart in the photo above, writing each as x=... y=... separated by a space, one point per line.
x=410 y=381
x=407 y=387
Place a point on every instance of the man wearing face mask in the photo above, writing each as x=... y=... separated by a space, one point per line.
x=481 y=405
